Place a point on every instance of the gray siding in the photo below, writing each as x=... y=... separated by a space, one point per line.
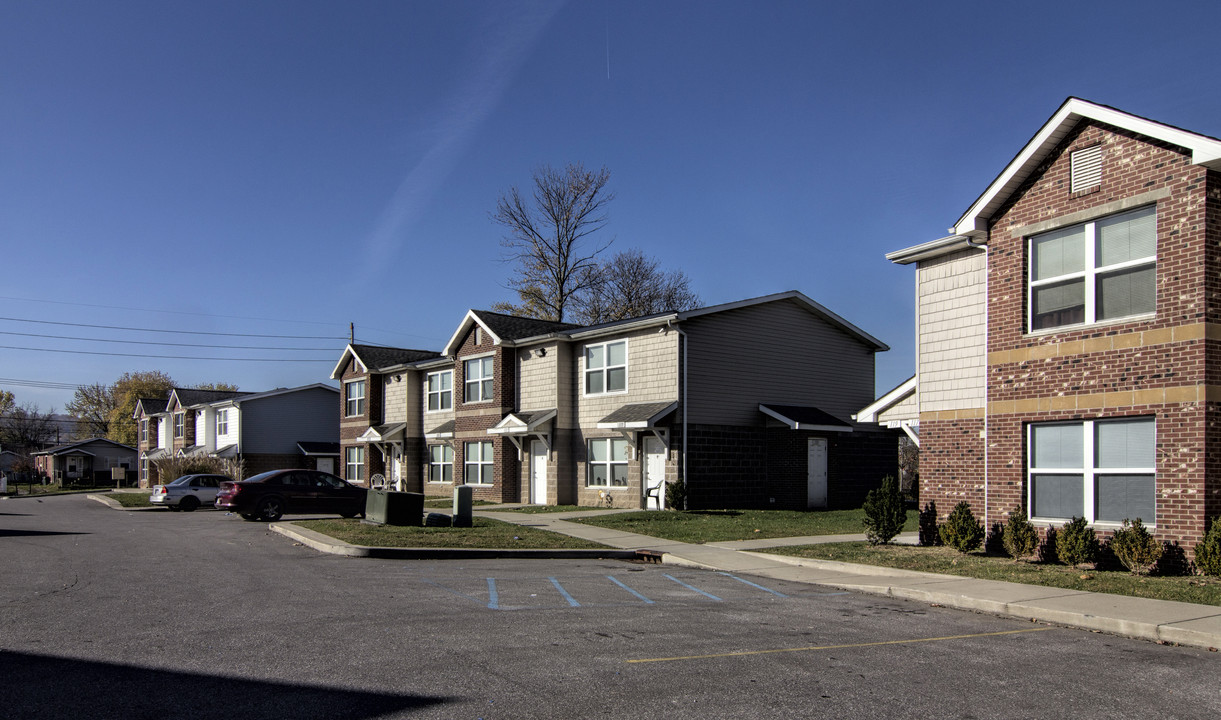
x=274 y=425
x=776 y=352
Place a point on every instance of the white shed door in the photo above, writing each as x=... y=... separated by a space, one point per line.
x=816 y=469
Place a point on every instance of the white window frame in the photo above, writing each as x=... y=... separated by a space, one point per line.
x=222 y=422
x=442 y=405
x=477 y=382
x=1088 y=472
x=446 y=462
x=354 y=459
x=482 y=462
x=605 y=368
x=349 y=399
x=144 y=430
x=1089 y=275
x=180 y=425
x=610 y=463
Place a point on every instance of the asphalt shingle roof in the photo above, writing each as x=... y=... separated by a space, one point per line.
x=189 y=396
x=639 y=412
x=376 y=356
x=512 y=327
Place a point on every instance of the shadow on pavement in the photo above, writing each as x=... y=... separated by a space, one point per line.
x=5 y=532
x=45 y=686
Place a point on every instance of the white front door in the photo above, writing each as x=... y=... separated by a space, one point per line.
x=538 y=472
x=654 y=473
x=396 y=467
x=326 y=465
x=816 y=480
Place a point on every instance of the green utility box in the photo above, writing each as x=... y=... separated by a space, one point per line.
x=386 y=507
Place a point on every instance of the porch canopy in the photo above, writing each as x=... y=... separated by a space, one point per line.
x=517 y=426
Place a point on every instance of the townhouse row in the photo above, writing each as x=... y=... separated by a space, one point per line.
x=1068 y=333
x=282 y=428
x=748 y=403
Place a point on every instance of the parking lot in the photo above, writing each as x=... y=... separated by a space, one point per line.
x=155 y=614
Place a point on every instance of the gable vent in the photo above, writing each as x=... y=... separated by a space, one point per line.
x=1086 y=169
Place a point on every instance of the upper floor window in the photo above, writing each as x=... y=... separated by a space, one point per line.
x=478 y=463
x=440 y=390
x=478 y=379
x=1100 y=270
x=144 y=431
x=180 y=423
x=606 y=368
x=354 y=398
x=1102 y=470
x=222 y=422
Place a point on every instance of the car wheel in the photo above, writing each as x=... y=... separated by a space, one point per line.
x=172 y=508
x=188 y=503
x=271 y=509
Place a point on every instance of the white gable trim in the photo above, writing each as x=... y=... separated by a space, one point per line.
x=894 y=397
x=471 y=319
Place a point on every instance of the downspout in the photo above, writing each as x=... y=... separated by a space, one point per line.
x=987 y=326
x=683 y=379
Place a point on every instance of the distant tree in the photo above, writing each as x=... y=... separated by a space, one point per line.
x=7 y=402
x=129 y=388
x=25 y=428
x=217 y=386
x=91 y=406
x=630 y=285
x=549 y=238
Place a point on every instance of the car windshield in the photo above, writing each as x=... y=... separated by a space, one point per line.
x=182 y=480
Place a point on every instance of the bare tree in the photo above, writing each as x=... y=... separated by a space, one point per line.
x=92 y=406
x=26 y=429
x=549 y=238
x=631 y=285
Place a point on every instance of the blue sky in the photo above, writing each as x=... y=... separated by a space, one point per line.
x=275 y=169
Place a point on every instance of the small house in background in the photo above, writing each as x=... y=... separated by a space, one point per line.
x=748 y=403
x=1067 y=333
x=85 y=462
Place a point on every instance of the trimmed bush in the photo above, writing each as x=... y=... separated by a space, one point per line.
x=928 y=525
x=1135 y=548
x=1019 y=536
x=884 y=512
x=1076 y=543
x=961 y=530
x=676 y=495
x=1208 y=550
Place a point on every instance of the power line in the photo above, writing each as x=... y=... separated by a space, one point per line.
x=45 y=384
x=168 y=344
x=167 y=312
x=178 y=332
x=164 y=357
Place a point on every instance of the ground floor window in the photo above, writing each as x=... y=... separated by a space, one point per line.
x=354 y=465
x=440 y=464
x=607 y=463
x=478 y=463
x=1102 y=470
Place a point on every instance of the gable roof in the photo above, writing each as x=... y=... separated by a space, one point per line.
x=380 y=357
x=891 y=398
x=800 y=299
x=68 y=447
x=150 y=406
x=1204 y=151
x=189 y=396
x=503 y=328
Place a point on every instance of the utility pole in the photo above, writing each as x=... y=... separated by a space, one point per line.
x=351 y=332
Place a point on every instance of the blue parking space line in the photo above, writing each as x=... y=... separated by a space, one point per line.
x=493 y=596
x=571 y=600
x=695 y=589
x=735 y=577
x=625 y=587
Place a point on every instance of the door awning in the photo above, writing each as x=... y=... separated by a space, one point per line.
x=524 y=423
x=639 y=416
x=384 y=433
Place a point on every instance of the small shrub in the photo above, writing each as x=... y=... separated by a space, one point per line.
x=1135 y=548
x=676 y=494
x=1076 y=543
x=961 y=530
x=928 y=525
x=1019 y=537
x=1208 y=550
x=884 y=512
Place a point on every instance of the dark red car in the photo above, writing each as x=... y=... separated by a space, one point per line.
x=267 y=496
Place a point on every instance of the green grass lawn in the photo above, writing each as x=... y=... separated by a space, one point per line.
x=947 y=561
x=486 y=533
x=131 y=499
x=448 y=503
x=700 y=526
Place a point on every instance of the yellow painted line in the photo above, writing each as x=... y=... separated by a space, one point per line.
x=838 y=647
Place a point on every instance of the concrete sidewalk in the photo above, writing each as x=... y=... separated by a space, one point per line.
x=1157 y=620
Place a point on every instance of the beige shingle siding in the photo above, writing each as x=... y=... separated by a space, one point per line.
x=776 y=352
x=652 y=373
x=394 y=398
x=951 y=331
x=909 y=409
x=536 y=379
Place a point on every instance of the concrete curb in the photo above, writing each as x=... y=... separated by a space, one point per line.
x=327 y=544
x=116 y=505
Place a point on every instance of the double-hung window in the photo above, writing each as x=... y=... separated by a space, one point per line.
x=222 y=423
x=606 y=368
x=440 y=464
x=478 y=382
x=180 y=420
x=354 y=398
x=440 y=390
x=144 y=431
x=1102 y=470
x=607 y=463
x=1100 y=270
x=354 y=458
x=478 y=463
